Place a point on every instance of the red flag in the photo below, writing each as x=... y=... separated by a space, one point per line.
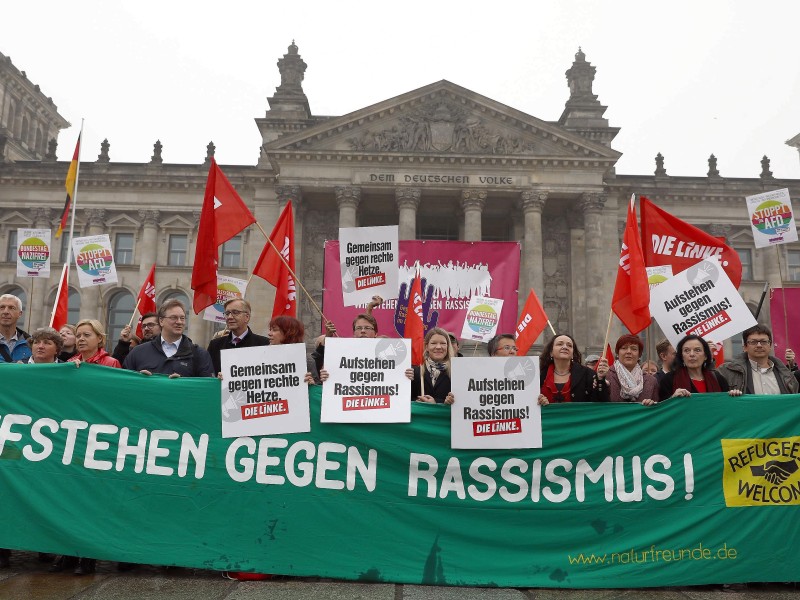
x=146 y=299
x=273 y=269
x=666 y=240
x=718 y=352
x=532 y=322
x=631 y=300
x=609 y=356
x=61 y=305
x=224 y=215
x=414 y=329
x=72 y=176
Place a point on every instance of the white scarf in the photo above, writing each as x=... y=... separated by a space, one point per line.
x=630 y=382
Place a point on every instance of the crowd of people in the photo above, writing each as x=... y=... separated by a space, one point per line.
x=165 y=349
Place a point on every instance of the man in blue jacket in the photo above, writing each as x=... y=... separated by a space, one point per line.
x=13 y=341
x=171 y=353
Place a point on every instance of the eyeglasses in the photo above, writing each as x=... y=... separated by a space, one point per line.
x=235 y=313
x=364 y=328
x=175 y=319
x=149 y=325
x=759 y=342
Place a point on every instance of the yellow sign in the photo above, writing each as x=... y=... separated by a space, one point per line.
x=761 y=472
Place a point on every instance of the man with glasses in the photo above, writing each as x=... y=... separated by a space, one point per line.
x=237 y=318
x=171 y=353
x=757 y=371
x=150 y=329
x=503 y=344
x=364 y=326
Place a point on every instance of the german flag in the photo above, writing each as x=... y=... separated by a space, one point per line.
x=72 y=176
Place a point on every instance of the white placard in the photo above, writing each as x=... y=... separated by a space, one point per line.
x=227 y=288
x=658 y=275
x=95 y=260
x=700 y=300
x=367 y=381
x=33 y=252
x=264 y=391
x=495 y=403
x=772 y=218
x=483 y=315
x=368 y=261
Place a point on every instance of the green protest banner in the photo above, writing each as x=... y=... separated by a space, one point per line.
x=110 y=464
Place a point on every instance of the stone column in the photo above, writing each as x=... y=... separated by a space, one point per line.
x=91 y=305
x=532 y=203
x=149 y=243
x=598 y=303
x=472 y=202
x=284 y=194
x=348 y=198
x=407 y=203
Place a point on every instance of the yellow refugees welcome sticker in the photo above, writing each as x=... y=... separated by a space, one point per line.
x=761 y=472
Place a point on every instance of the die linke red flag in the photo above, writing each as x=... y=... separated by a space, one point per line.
x=224 y=215
x=532 y=321
x=631 y=300
x=146 y=300
x=61 y=305
x=666 y=240
x=414 y=328
x=271 y=268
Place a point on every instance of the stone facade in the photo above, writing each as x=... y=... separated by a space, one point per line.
x=441 y=161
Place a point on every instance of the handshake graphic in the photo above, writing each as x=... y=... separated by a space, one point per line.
x=775 y=471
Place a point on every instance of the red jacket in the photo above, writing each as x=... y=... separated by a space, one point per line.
x=101 y=357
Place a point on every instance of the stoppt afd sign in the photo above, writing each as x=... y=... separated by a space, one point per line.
x=496 y=403
x=263 y=390
x=368 y=259
x=761 y=472
x=772 y=218
x=367 y=382
x=94 y=260
x=700 y=300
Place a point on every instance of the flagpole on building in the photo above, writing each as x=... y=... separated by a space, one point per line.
x=291 y=272
x=74 y=204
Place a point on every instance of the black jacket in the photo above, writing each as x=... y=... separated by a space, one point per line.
x=438 y=391
x=189 y=361
x=581 y=385
x=219 y=344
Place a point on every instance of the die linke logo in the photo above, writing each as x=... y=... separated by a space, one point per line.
x=761 y=472
x=95 y=260
x=33 y=253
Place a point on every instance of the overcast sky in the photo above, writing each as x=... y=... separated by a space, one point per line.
x=686 y=79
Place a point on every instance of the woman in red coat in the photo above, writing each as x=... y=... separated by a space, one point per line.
x=90 y=340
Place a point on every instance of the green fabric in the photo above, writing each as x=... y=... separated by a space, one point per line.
x=387 y=533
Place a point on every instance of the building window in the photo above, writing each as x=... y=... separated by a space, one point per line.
x=123 y=249
x=232 y=253
x=11 y=250
x=120 y=310
x=746 y=256
x=794 y=265
x=177 y=250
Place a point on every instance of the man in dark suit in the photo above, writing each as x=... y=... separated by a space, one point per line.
x=237 y=317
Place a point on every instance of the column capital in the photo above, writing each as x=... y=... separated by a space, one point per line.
x=592 y=202
x=150 y=217
x=472 y=199
x=41 y=216
x=96 y=217
x=533 y=200
x=284 y=193
x=407 y=197
x=348 y=196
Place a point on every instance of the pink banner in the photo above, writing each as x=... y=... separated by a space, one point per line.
x=779 y=324
x=451 y=272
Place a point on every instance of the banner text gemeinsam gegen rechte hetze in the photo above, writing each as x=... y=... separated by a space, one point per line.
x=111 y=464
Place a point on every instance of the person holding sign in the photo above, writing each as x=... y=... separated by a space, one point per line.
x=564 y=378
x=692 y=371
x=434 y=385
x=627 y=381
x=89 y=340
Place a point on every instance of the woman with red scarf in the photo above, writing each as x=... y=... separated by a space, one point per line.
x=692 y=371
x=564 y=378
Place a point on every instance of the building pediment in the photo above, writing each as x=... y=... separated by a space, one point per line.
x=442 y=119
